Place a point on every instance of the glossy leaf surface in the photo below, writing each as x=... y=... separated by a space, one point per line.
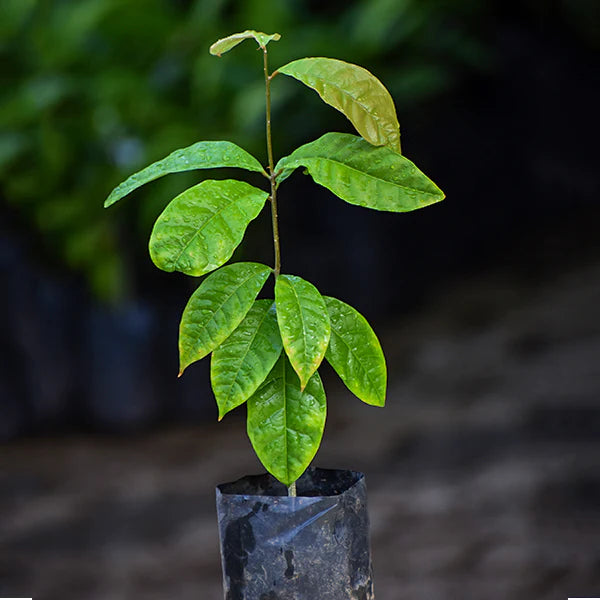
x=231 y=41
x=359 y=173
x=355 y=353
x=202 y=155
x=355 y=92
x=304 y=324
x=285 y=424
x=217 y=307
x=199 y=230
x=243 y=361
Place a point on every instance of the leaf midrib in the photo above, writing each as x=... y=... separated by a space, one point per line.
x=338 y=162
x=302 y=319
x=285 y=415
x=285 y=430
x=246 y=353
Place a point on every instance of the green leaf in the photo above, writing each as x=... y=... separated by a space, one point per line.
x=303 y=322
x=285 y=423
x=355 y=92
x=355 y=353
x=199 y=230
x=362 y=174
x=231 y=41
x=202 y=155
x=217 y=307
x=243 y=361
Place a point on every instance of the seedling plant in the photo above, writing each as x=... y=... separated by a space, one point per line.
x=266 y=352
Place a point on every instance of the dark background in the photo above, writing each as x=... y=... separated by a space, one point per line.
x=487 y=304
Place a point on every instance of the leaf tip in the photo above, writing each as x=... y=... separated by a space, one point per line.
x=378 y=399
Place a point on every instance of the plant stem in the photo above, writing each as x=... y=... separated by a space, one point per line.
x=273 y=196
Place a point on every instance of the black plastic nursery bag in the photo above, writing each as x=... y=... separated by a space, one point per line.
x=311 y=547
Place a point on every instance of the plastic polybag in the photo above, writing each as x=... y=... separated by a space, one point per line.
x=311 y=547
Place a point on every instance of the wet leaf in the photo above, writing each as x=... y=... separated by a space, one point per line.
x=355 y=92
x=303 y=322
x=359 y=173
x=217 y=307
x=243 y=361
x=202 y=155
x=355 y=353
x=200 y=228
x=231 y=41
x=285 y=424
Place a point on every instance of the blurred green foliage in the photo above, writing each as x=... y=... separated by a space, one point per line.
x=94 y=89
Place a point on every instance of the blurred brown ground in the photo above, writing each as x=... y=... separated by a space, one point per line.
x=483 y=470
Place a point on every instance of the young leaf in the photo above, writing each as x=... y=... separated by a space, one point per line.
x=285 y=423
x=243 y=361
x=355 y=92
x=355 y=353
x=231 y=41
x=199 y=230
x=202 y=155
x=362 y=174
x=303 y=322
x=217 y=307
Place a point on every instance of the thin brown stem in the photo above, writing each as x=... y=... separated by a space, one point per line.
x=268 y=102
x=277 y=268
x=272 y=174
